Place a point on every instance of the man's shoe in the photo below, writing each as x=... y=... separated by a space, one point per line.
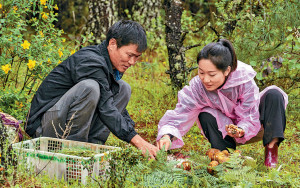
x=271 y=156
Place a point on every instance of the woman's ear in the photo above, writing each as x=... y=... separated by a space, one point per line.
x=226 y=73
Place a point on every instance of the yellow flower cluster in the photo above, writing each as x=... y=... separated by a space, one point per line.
x=6 y=68
x=45 y=15
x=0 y=5
x=25 y=45
x=73 y=51
x=41 y=33
x=60 y=53
x=31 y=64
x=43 y=2
x=19 y=104
x=55 y=7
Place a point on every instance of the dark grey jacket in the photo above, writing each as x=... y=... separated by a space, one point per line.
x=91 y=62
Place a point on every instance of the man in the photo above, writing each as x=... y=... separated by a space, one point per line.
x=85 y=92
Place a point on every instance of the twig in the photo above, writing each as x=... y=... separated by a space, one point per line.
x=95 y=180
x=45 y=165
x=67 y=130
x=183 y=49
x=68 y=127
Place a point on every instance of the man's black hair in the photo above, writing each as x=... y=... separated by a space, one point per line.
x=128 y=32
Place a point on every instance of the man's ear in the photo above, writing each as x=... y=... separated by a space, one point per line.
x=112 y=44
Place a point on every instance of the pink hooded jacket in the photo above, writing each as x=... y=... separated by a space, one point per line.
x=236 y=102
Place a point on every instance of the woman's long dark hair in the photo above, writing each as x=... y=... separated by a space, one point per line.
x=221 y=54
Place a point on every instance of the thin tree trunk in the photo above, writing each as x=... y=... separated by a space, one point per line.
x=177 y=71
x=102 y=14
x=147 y=11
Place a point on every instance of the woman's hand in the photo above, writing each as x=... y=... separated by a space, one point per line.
x=234 y=131
x=164 y=141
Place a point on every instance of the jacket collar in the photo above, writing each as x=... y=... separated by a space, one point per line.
x=104 y=52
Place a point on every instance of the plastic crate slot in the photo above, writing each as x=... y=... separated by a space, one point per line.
x=37 y=145
x=54 y=146
x=26 y=146
x=73 y=169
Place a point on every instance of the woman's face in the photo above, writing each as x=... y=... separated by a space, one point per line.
x=211 y=77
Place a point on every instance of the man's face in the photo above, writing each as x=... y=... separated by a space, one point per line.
x=124 y=57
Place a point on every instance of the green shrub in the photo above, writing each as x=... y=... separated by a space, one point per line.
x=30 y=47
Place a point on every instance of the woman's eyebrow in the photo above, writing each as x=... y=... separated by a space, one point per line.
x=207 y=71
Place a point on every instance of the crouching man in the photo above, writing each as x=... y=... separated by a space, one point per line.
x=87 y=92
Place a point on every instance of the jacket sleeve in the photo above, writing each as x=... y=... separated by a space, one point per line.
x=247 y=111
x=178 y=122
x=109 y=114
x=126 y=115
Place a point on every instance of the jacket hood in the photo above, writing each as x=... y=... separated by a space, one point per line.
x=243 y=73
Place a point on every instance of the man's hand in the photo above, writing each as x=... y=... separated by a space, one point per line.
x=234 y=131
x=144 y=146
x=164 y=141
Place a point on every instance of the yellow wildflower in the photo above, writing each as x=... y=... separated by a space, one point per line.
x=41 y=33
x=44 y=15
x=19 y=104
x=55 y=7
x=25 y=45
x=60 y=53
x=43 y=2
x=0 y=5
x=6 y=68
x=63 y=40
x=31 y=64
x=73 y=51
x=15 y=8
x=59 y=61
x=189 y=135
x=48 y=60
x=46 y=7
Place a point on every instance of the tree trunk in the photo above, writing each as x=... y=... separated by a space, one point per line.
x=177 y=71
x=102 y=14
x=147 y=11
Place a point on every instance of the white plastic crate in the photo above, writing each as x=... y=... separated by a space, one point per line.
x=43 y=154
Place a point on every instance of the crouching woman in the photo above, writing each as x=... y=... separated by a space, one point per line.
x=224 y=93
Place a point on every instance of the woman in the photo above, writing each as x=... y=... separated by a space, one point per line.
x=224 y=93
